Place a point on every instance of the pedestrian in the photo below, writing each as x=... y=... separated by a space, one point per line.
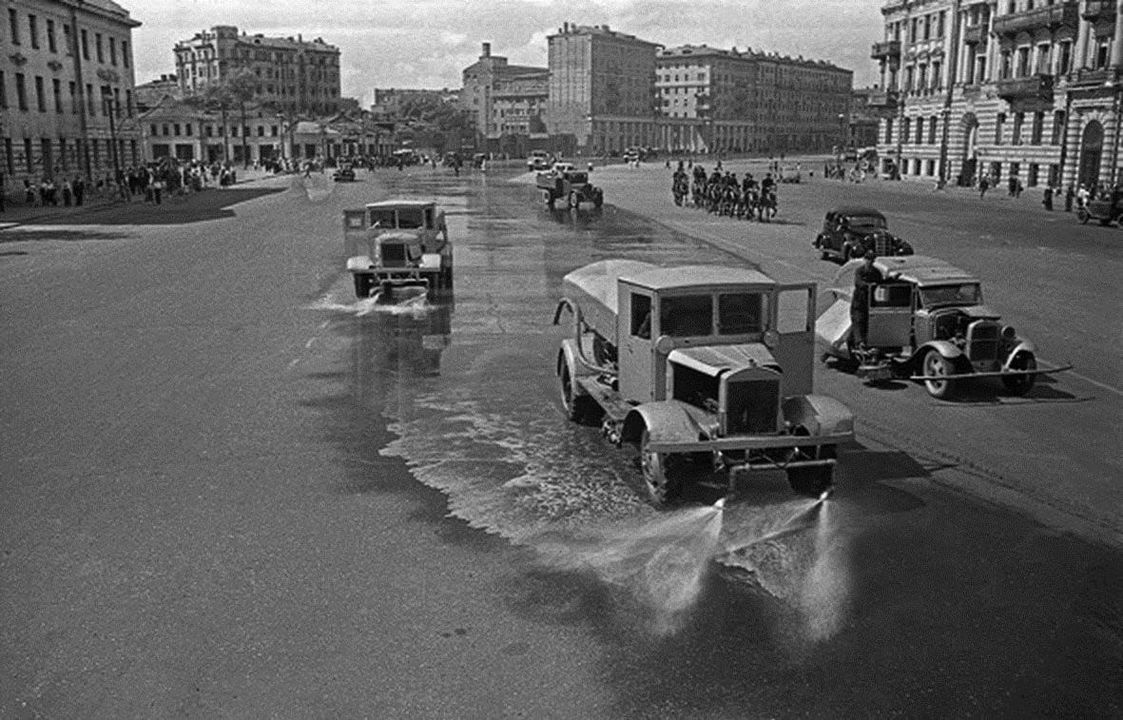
x=67 y=193
x=1082 y=196
x=866 y=276
x=1012 y=186
x=1069 y=196
x=1047 y=201
x=984 y=185
x=1018 y=187
x=79 y=189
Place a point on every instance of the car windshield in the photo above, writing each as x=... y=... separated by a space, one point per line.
x=957 y=294
x=873 y=221
x=686 y=316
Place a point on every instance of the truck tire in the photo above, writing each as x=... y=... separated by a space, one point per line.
x=581 y=409
x=598 y=199
x=660 y=472
x=363 y=285
x=936 y=364
x=1083 y=216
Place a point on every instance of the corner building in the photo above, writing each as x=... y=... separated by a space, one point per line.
x=1000 y=89
x=66 y=91
x=293 y=76
x=601 y=90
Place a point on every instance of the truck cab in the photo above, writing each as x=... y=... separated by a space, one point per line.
x=395 y=243
x=699 y=362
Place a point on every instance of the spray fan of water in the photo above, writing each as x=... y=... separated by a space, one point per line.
x=415 y=306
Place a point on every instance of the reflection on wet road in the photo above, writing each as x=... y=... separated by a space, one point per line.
x=880 y=601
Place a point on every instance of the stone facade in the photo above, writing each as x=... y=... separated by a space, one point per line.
x=507 y=103
x=1001 y=89
x=291 y=75
x=715 y=100
x=66 y=90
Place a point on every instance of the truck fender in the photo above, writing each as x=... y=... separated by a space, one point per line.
x=359 y=263
x=947 y=349
x=818 y=414
x=1022 y=348
x=665 y=422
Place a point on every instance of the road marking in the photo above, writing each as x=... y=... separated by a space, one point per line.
x=310 y=343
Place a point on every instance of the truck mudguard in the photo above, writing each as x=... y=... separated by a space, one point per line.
x=666 y=421
x=818 y=414
x=568 y=357
x=1025 y=346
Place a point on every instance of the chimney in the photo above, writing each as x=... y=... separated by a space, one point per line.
x=487 y=50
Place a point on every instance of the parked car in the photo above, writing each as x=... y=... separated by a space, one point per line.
x=849 y=231
x=1105 y=210
x=928 y=323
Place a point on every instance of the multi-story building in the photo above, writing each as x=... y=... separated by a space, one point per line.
x=1001 y=89
x=504 y=101
x=715 y=100
x=66 y=90
x=290 y=74
x=601 y=90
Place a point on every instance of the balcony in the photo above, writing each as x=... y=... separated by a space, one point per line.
x=1099 y=10
x=975 y=34
x=1050 y=16
x=887 y=49
x=882 y=99
x=1034 y=87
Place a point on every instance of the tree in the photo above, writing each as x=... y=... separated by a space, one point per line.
x=225 y=94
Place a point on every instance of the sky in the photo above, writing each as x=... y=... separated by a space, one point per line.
x=427 y=43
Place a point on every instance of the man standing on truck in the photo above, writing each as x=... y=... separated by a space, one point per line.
x=865 y=277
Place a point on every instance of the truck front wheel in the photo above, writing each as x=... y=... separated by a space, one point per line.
x=578 y=408
x=661 y=479
x=936 y=366
x=363 y=285
x=1021 y=384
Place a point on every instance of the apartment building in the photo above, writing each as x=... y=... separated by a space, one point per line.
x=601 y=90
x=291 y=74
x=504 y=101
x=1001 y=88
x=66 y=90
x=717 y=100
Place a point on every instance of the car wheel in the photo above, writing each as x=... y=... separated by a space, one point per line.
x=1020 y=384
x=936 y=365
x=660 y=480
x=1083 y=216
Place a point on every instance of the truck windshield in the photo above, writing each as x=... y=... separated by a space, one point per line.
x=871 y=221
x=686 y=316
x=958 y=294
x=410 y=218
x=739 y=313
x=382 y=219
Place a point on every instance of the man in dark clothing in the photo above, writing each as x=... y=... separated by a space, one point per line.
x=865 y=277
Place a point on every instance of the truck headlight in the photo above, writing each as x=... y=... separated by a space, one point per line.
x=1009 y=334
x=771 y=339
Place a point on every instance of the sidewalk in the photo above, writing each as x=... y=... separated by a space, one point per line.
x=22 y=214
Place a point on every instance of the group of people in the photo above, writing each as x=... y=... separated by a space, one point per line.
x=51 y=193
x=721 y=193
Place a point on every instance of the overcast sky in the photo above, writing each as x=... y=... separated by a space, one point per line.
x=426 y=43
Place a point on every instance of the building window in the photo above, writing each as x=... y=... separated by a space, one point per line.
x=112 y=51
x=932 y=130
x=3 y=91
x=56 y=90
x=1016 y=135
x=66 y=42
x=152 y=129
x=13 y=26
x=33 y=30
x=98 y=47
x=188 y=129
x=84 y=39
x=1103 y=46
x=1038 y=129
x=999 y=120
x=91 y=107
x=175 y=129
x=919 y=131
x=1023 y=62
x=28 y=159
x=51 y=45
x=73 y=97
x=1058 y=127
x=125 y=53
x=21 y=91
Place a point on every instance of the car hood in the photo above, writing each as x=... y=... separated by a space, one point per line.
x=713 y=360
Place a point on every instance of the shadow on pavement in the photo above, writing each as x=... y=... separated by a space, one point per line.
x=198 y=207
x=19 y=234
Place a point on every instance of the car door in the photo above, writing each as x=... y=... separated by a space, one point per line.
x=795 y=323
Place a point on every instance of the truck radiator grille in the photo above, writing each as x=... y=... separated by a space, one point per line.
x=982 y=340
x=752 y=406
x=882 y=246
x=393 y=255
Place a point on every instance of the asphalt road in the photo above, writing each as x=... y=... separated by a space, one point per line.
x=232 y=491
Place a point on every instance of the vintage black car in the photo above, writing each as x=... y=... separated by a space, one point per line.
x=849 y=231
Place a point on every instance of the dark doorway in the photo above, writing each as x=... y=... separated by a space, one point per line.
x=1091 y=152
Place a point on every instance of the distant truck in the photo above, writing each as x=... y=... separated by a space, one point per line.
x=396 y=244
x=571 y=186
x=704 y=369
x=538 y=160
